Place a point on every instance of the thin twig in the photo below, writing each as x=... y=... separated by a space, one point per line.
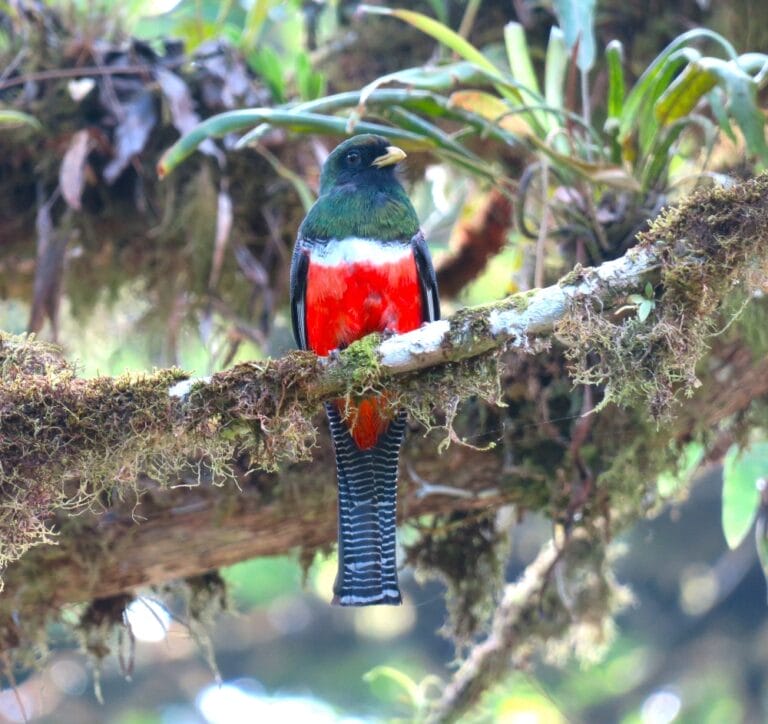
x=64 y=73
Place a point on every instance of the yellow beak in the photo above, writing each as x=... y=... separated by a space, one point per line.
x=391 y=157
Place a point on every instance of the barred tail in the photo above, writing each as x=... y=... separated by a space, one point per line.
x=367 y=498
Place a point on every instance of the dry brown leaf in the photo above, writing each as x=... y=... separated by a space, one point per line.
x=132 y=133
x=49 y=268
x=182 y=108
x=223 y=229
x=72 y=169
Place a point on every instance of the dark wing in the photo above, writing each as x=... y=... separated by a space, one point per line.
x=299 y=268
x=430 y=302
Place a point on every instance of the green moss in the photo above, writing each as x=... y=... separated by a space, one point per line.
x=573 y=277
x=522 y=300
x=711 y=244
x=75 y=441
x=69 y=441
x=467 y=553
x=361 y=369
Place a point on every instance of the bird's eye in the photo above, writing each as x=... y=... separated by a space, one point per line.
x=353 y=158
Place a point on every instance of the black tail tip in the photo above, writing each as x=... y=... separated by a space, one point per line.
x=387 y=597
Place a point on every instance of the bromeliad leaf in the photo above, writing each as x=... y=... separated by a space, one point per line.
x=436 y=78
x=493 y=109
x=521 y=67
x=685 y=92
x=741 y=89
x=614 y=56
x=651 y=83
x=9 y=117
x=716 y=100
x=555 y=67
x=235 y=121
x=613 y=176
x=741 y=471
x=458 y=45
x=442 y=33
x=577 y=19
x=519 y=57
x=646 y=125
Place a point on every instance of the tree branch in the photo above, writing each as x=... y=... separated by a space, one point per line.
x=69 y=445
x=564 y=588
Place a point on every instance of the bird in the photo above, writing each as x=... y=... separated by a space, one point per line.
x=360 y=265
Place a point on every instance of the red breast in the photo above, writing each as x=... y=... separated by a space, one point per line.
x=372 y=287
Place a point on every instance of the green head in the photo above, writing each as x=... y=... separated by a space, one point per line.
x=365 y=160
x=361 y=195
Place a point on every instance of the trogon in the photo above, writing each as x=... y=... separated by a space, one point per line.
x=361 y=265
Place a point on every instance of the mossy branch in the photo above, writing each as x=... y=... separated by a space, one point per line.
x=693 y=255
x=64 y=440
x=565 y=599
x=68 y=444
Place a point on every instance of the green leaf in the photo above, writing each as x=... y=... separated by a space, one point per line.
x=716 y=100
x=741 y=471
x=441 y=77
x=521 y=68
x=655 y=165
x=690 y=459
x=422 y=101
x=389 y=103
x=660 y=73
x=756 y=63
x=442 y=33
x=391 y=684
x=645 y=309
x=577 y=19
x=13 y=118
x=309 y=83
x=235 y=121
x=646 y=123
x=519 y=57
x=614 y=56
x=649 y=290
x=267 y=64
x=254 y=22
x=680 y=98
x=460 y=46
x=414 y=123
x=741 y=90
x=443 y=141
x=555 y=68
